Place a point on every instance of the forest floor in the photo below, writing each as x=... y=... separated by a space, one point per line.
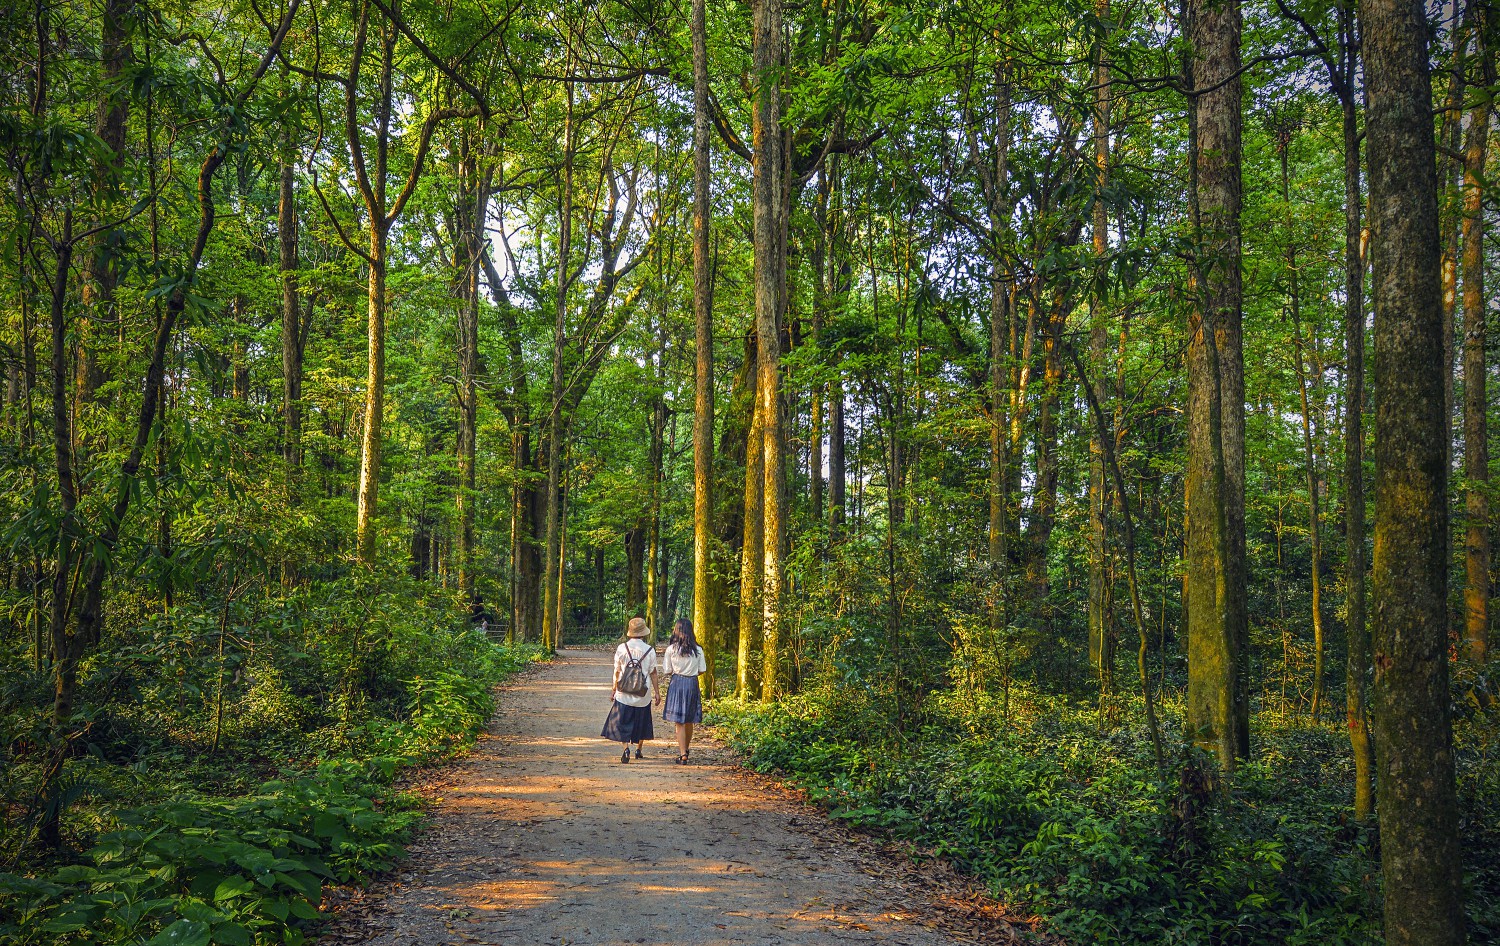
x=541 y=836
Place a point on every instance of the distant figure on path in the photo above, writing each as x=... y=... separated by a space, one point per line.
x=633 y=691
x=683 y=661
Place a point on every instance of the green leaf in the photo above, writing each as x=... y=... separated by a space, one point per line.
x=235 y=886
x=182 y=933
x=304 y=909
x=232 y=934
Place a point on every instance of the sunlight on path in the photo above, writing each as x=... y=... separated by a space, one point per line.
x=545 y=838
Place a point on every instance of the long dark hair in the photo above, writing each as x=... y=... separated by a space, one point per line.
x=684 y=638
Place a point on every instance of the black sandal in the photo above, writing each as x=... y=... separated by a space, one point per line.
x=625 y=756
x=682 y=760
x=637 y=751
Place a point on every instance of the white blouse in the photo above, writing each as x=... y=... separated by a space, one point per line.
x=646 y=654
x=689 y=666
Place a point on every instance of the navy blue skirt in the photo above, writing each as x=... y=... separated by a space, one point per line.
x=684 y=702
x=628 y=723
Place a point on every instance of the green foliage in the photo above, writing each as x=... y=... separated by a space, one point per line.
x=194 y=866
x=1077 y=825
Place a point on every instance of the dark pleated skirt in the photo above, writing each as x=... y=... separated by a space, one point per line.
x=684 y=703
x=628 y=723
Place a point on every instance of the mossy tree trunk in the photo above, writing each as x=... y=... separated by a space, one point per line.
x=1218 y=693
x=1420 y=857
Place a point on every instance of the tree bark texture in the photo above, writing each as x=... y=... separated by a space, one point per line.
x=1218 y=691
x=752 y=549
x=1101 y=649
x=703 y=346
x=1357 y=664
x=1417 y=804
x=98 y=291
x=770 y=271
x=1475 y=308
x=291 y=323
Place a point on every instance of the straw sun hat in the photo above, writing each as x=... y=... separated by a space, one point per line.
x=638 y=628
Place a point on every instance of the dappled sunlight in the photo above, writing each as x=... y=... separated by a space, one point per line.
x=547 y=838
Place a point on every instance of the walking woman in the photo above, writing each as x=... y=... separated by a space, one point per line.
x=683 y=661
x=633 y=691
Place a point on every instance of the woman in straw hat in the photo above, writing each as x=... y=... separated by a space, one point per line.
x=633 y=691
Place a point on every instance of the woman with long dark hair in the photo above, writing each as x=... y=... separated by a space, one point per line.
x=683 y=661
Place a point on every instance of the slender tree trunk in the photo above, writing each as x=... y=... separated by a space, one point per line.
x=998 y=566
x=1357 y=670
x=1304 y=359
x=470 y=216
x=838 y=470
x=98 y=295
x=653 y=514
x=635 y=569
x=1218 y=691
x=1476 y=436
x=1418 y=808
x=552 y=583
x=818 y=389
x=1450 y=185
x=1044 y=501
x=291 y=326
x=703 y=375
x=370 y=441
x=1101 y=651
x=752 y=549
x=374 y=192
x=769 y=195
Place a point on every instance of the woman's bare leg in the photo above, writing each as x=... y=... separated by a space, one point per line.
x=684 y=737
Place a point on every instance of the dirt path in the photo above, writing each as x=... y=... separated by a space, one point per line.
x=543 y=837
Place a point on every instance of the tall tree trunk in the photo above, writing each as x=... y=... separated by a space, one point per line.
x=1450 y=184
x=653 y=514
x=770 y=267
x=1044 y=501
x=635 y=569
x=1357 y=666
x=1101 y=650
x=1476 y=437
x=98 y=295
x=291 y=326
x=838 y=469
x=752 y=549
x=998 y=566
x=703 y=345
x=373 y=179
x=552 y=572
x=370 y=439
x=818 y=390
x=1418 y=808
x=1218 y=691
x=374 y=192
x=1305 y=359
x=470 y=216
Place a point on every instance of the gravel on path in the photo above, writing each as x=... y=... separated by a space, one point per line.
x=541 y=836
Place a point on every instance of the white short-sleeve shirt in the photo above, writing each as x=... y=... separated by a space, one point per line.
x=689 y=666
x=638 y=649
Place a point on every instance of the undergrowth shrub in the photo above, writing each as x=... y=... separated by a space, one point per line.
x=1077 y=824
x=215 y=809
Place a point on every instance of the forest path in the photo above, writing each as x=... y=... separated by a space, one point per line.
x=541 y=836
